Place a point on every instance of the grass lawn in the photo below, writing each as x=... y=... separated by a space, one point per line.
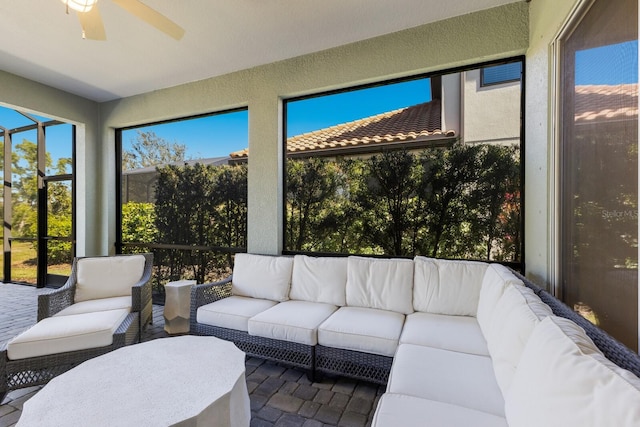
x=23 y=264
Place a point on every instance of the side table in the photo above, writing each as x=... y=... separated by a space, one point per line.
x=177 y=305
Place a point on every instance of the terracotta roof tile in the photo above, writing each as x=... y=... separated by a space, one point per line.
x=416 y=123
x=595 y=103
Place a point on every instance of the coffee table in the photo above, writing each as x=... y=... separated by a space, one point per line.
x=185 y=380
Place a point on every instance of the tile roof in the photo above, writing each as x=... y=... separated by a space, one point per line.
x=598 y=103
x=417 y=123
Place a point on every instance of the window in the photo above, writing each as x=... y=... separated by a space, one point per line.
x=37 y=198
x=498 y=74
x=598 y=151
x=415 y=167
x=182 y=197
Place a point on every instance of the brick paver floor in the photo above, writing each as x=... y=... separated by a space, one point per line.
x=280 y=396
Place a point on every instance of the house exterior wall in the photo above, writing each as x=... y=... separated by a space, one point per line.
x=491 y=114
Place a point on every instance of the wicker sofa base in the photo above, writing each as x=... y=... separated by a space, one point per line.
x=21 y=373
x=353 y=364
x=290 y=353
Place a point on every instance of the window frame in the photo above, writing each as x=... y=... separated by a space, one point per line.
x=519 y=266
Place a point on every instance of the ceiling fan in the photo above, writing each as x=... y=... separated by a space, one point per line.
x=93 y=28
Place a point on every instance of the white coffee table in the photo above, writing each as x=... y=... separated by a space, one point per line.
x=185 y=380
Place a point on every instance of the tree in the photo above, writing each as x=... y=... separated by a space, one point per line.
x=149 y=149
x=389 y=200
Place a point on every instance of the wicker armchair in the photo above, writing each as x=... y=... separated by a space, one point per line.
x=38 y=369
x=55 y=301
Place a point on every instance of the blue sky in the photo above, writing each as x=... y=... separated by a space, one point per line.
x=611 y=64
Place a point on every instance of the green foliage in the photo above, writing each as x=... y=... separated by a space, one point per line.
x=151 y=150
x=202 y=207
x=138 y=222
x=461 y=202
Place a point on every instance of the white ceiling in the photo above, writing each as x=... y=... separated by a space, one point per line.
x=39 y=41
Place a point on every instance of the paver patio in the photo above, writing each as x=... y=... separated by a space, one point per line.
x=280 y=396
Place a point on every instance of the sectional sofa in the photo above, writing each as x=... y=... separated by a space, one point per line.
x=457 y=343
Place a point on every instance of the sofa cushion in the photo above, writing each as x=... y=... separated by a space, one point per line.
x=446 y=376
x=496 y=279
x=386 y=284
x=564 y=380
x=362 y=329
x=261 y=276
x=106 y=277
x=515 y=316
x=319 y=279
x=102 y=304
x=409 y=411
x=456 y=333
x=454 y=290
x=295 y=321
x=232 y=312
x=60 y=334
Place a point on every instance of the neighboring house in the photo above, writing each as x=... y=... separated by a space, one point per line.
x=139 y=185
x=458 y=111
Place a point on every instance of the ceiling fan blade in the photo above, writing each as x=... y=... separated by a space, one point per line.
x=92 y=26
x=152 y=17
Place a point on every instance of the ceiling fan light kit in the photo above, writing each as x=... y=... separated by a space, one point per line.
x=93 y=28
x=80 y=5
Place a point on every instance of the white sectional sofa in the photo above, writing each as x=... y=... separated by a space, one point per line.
x=458 y=343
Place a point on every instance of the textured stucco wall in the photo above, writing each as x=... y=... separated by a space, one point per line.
x=17 y=92
x=546 y=18
x=492 y=113
x=490 y=34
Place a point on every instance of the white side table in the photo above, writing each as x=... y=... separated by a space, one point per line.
x=177 y=306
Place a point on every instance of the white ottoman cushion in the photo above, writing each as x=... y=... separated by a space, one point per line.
x=386 y=284
x=232 y=312
x=102 y=304
x=109 y=276
x=446 y=376
x=456 y=333
x=261 y=276
x=564 y=380
x=295 y=321
x=60 y=334
x=362 y=329
x=408 y=411
x=319 y=279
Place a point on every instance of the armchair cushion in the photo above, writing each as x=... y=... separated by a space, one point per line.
x=385 y=284
x=261 y=276
x=563 y=379
x=295 y=321
x=105 y=277
x=60 y=334
x=102 y=304
x=319 y=279
x=362 y=329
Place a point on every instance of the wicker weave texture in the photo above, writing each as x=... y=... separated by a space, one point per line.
x=39 y=370
x=353 y=364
